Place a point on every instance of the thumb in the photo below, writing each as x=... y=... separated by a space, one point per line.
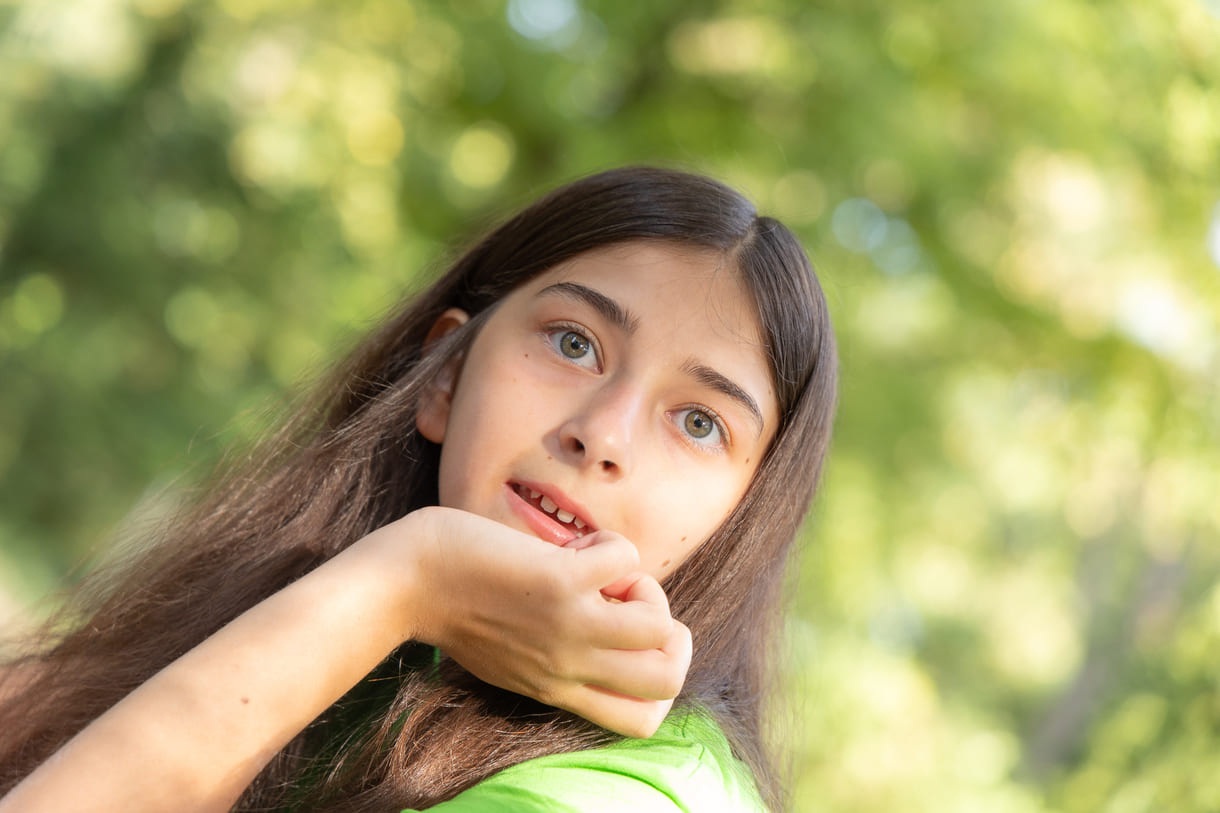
x=605 y=557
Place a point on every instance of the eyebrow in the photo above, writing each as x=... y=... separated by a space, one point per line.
x=708 y=377
x=612 y=311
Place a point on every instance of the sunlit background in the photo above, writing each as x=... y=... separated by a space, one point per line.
x=1009 y=598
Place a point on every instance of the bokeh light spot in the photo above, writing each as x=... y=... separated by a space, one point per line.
x=1151 y=312
x=192 y=316
x=543 y=19
x=92 y=38
x=899 y=252
x=38 y=303
x=1032 y=633
x=889 y=183
x=276 y=155
x=482 y=155
x=1075 y=197
x=732 y=46
x=266 y=70
x=367 y=211
x=799 y=197
x=859 y=225
x=375 y=138
x=905 y=315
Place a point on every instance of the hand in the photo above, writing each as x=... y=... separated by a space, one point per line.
x=577 y=627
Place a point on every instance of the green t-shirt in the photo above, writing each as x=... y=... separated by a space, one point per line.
x=686 y=766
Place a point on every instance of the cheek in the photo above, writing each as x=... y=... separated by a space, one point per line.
x=682 y=517
x=467 y=433
x=493 y=419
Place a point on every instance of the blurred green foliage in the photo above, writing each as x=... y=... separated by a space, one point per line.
x=1009 y=601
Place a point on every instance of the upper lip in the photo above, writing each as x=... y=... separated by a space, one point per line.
x=562 y=500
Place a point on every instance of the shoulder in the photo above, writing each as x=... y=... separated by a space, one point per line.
x=686 y=766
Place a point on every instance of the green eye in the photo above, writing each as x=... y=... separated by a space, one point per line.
x=698 y=424
x=576 y=346
x=573 y=345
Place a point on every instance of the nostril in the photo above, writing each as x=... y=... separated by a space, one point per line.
x=607 y=465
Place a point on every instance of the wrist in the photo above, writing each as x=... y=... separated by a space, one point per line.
x=390 y=568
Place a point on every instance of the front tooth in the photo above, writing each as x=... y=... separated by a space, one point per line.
x=535 y=494
x=565 y=516
x=579 y=523
x=548 y=505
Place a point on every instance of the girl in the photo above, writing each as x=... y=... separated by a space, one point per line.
x=631 y=383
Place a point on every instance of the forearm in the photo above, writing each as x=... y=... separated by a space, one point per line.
x=197 y=733
x=517 y=612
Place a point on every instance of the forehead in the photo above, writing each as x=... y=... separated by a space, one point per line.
x=644 y=274
x=702 y=278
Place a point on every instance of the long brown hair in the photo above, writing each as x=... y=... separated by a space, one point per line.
x=411 y=734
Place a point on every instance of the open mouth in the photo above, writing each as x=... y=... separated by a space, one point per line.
x=540 y=501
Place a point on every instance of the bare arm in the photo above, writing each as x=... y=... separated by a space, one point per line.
x=198 y=732
x=202 y=728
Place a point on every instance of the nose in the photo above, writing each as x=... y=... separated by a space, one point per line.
x=601 y=431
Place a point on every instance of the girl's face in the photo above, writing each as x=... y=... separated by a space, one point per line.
x=623 y=390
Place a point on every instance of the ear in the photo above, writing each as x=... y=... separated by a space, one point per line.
x=432 y=417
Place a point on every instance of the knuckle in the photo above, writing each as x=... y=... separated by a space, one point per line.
x=671 y=682
x=660 y=627
x=547 y=695
x=558 y=668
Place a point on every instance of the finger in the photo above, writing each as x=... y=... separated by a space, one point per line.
x=650 y=674
x=680 y=645
x=654 y=674
x=639 y=587
x=629 y=625
x=607 y=558
x=630 y=716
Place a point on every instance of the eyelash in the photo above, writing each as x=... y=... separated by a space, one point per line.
x=556 y=330
x=718 y=422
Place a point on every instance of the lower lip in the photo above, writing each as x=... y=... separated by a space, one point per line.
x=545 y=528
